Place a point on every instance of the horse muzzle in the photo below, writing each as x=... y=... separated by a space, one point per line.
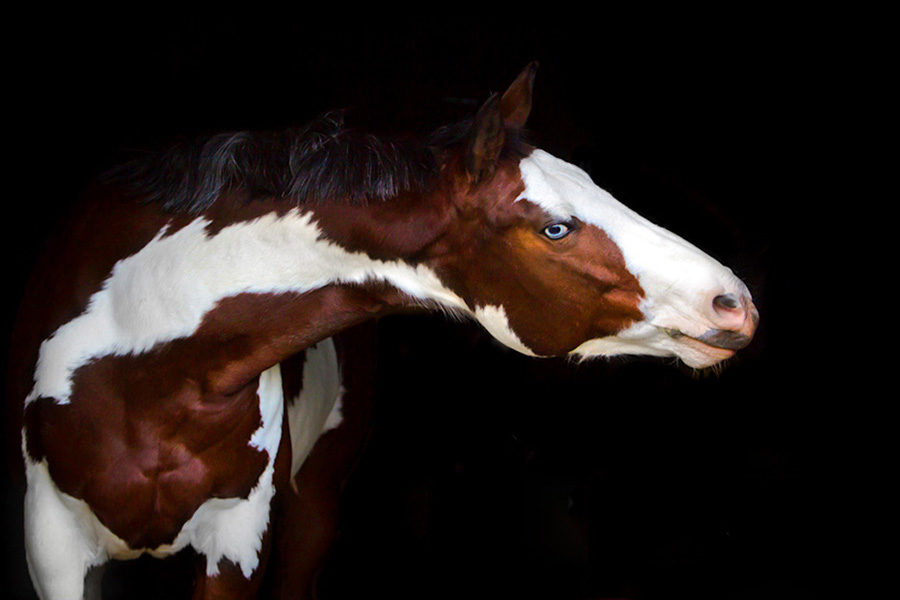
x=727 y=340
x=718 y=344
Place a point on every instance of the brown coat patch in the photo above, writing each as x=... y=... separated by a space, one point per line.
x=556 y=293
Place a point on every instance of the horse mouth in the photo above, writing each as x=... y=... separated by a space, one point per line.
x=708 y=349
x=714 y=338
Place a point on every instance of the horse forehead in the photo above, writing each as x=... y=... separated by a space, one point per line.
x=560 y=188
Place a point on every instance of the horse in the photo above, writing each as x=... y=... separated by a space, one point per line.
x=165 y=340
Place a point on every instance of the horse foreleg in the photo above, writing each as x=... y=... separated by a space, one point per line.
x=229 y=581
x=226 y=579
x=309 y=509
x=93 y=583
x=61 y=542
x=307 y=528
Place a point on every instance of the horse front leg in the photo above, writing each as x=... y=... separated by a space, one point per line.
x=226 y=579
x=309 y=513
x=93 y=583
x=307 y=529
x=229 y=582
x=309 y=509
x=61 y=543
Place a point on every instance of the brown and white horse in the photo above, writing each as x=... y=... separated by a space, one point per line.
x=155 y=354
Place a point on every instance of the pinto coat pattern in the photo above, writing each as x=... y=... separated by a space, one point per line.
x=156 y=354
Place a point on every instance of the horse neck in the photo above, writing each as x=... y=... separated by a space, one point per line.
x=246 y=288
x=284 y=280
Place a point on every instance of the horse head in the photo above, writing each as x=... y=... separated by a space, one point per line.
x=551 y=264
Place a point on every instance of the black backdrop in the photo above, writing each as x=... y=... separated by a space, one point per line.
x=490 y=474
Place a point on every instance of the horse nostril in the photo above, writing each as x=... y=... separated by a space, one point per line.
x=727 y=302
x=734 y=319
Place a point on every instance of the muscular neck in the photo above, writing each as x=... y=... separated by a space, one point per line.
x=262 y=288
x=255 y=331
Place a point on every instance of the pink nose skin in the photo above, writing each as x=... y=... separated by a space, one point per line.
x=735 y=318
x=731 y=312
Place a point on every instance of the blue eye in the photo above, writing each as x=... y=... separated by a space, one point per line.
x=557 y=231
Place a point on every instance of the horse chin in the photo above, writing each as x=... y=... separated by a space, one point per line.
x=698 y=355
x=694 y=352
x=653 y=341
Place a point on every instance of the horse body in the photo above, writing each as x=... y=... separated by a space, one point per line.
x=157 y=349
x=131 y=450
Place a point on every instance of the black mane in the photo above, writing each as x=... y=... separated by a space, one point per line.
x=324 y=161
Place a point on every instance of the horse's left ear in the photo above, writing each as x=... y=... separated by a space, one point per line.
x=515 y=105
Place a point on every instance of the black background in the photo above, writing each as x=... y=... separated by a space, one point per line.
x=491 y=474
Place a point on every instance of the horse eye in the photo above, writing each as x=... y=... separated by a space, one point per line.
x=557 y=231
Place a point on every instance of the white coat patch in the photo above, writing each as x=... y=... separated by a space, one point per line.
x=64 y=538
x=233 y=528
x=317 y=408
x=162 y=292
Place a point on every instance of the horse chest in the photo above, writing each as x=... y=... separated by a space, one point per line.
x=159 y=464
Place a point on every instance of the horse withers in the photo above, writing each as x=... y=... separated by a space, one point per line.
x=155 y=344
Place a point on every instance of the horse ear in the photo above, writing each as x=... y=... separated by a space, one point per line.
x=515 y=105
x=486 y=140
x=488 y=134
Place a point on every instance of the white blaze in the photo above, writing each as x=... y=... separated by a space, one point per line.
x=679 y=280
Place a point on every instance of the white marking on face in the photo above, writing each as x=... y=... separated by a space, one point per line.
x=162 y=292
x=679 y=280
